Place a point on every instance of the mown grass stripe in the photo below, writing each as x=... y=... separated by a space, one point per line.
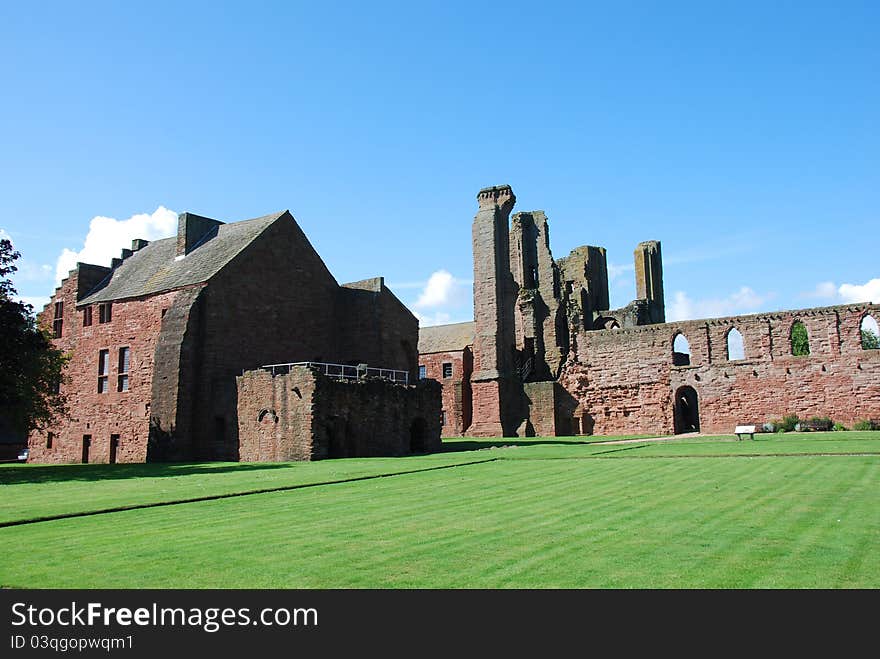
x=230 y=495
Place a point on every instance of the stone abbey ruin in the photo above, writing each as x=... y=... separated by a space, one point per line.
x=545 y=356
x=234 y=342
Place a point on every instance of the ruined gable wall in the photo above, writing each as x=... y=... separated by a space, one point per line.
x=134 y=324
x=272 y=303
x=375 y=328
x=625 y=381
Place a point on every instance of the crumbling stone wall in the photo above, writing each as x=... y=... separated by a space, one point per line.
x=375 y=328
x=625 y=381
x=541 y=328
x=302 y=415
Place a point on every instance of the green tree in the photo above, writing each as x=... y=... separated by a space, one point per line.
x=800 y=343
x=30 y=366
x=870 y=341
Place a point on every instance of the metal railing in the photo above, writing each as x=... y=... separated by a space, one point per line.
x=343 y=371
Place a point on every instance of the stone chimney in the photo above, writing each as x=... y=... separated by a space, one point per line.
x=191 y=229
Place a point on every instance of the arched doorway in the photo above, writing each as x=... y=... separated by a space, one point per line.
x=687 y=412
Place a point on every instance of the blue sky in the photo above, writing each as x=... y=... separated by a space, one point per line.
x=743 y=135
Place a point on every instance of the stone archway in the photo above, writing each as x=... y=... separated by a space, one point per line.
x=687 y=411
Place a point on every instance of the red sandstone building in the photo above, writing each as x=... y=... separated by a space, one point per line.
x=159 y=341
x=168 y=346
x=550 y=358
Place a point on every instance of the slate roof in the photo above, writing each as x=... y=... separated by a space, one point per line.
x=446 y=338
x=155 y=268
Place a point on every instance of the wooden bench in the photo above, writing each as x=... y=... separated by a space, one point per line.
x=744 y=430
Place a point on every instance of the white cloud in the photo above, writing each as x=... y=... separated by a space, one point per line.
x=846 y=293
x=867 y=292
x=439 y=318
x=743 y=301
x=107 y=236
x=443 y=299
x=4 y=235
x=442 y=289
x=825 y=290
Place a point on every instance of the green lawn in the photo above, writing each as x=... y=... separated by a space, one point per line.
x=783 y=511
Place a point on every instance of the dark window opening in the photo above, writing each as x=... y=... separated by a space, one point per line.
x=105 y=312
x=164 y=311
x=49 y=438
x=800 y=341
x=114 y=445
x=86 y=445
x=423 y=372
x=447 y=369
x=442 y=417
x=103 y=371
x=124 y=361
x=87 y=317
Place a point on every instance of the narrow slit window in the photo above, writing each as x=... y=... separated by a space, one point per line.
x=124 y=362
x=58 y=321
x=447 y=370
x=87 y=317
x=423 y=372
x=103 y=371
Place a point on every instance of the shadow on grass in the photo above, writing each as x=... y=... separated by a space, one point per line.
x=478 y=444
x=98 y=472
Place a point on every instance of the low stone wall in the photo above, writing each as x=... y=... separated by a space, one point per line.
x=302 y=415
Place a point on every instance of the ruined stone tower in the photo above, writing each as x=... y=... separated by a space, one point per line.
x=494 y=383
x=649 y=279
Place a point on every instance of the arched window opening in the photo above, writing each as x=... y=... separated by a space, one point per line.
x=681 y=351
x=736 y=348
x=800 y=342
x=870 y=333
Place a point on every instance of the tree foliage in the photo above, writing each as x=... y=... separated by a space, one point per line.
x=30 y=366
x=800 y=343
x=870 y=341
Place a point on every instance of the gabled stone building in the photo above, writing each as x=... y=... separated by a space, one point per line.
x=158 y=339
x=550 y=357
